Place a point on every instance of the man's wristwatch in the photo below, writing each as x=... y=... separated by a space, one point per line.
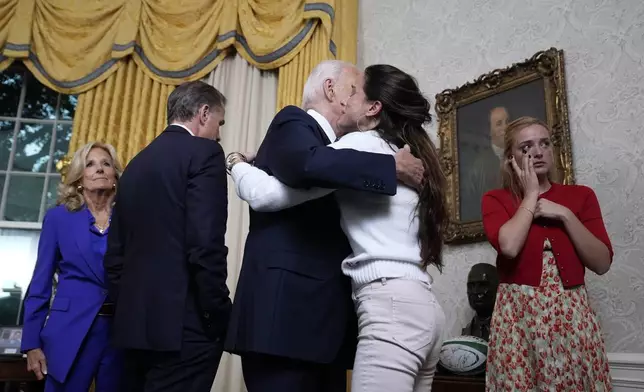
x=234 y=158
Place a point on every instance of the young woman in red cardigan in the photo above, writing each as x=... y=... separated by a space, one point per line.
x=544 y=335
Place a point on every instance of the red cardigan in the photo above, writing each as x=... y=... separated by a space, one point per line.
x=498 y=206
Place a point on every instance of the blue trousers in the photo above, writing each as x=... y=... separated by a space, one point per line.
x=96 y=361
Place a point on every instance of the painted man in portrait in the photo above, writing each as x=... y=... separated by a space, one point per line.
x=484 y=174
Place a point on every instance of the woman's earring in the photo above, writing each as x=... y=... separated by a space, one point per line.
x=114 y=186
x=79 y=188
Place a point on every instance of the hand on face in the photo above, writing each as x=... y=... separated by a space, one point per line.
x=99 y=173
x=528 y=179
x=531 y=157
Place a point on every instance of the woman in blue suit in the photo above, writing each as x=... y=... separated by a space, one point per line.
x=66 y=336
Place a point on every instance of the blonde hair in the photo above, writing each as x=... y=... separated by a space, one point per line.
x=68 y=192
x=509 y=177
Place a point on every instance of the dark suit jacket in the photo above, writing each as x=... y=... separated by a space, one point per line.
x=166 y=258
x=292 y=299
x=482 y=176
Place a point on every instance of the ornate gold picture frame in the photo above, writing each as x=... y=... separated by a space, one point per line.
x=471 y=123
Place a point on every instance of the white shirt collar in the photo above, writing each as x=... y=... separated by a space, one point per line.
x=184 y=127
x=498 y=151
x=324 y=123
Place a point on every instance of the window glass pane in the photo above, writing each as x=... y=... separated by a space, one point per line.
x=40 y=102
x=23 y=198
x=10 y=86
x=67 y=107
x=18 y=253
x=52 y=192
x=2 y=178
x=32 y=147
x=6 y=140
x=63 y=136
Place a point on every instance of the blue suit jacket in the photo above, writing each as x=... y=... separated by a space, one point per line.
x=64 y=246
x=292 y=299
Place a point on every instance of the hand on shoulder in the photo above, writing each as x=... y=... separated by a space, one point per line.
x=409 y=169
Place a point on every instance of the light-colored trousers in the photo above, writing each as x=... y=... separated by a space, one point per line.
x=400 y=333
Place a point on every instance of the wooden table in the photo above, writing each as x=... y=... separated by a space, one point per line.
x=14 y=376
x=450 y=383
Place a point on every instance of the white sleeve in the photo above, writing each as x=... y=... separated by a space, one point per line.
x=266 y=193
x=367 y=141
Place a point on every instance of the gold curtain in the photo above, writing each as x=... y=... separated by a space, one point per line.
x=122 y=57
x=336 y=39
x=127 y=110
x=345 y=30
x=292 y=76
x=72 y=46
x=7 y=12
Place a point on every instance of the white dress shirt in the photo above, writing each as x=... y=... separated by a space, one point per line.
x=324 y=124
x=184 y=127
x=498 y=151
x=382 y=230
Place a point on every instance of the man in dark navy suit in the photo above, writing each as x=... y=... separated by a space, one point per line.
x=166 y=257
x=292 y=320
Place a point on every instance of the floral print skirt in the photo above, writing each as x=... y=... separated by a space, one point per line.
x=545 y=338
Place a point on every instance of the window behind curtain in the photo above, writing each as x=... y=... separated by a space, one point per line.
x=35 y=130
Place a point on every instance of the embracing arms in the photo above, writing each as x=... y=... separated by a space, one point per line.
x=267 y=193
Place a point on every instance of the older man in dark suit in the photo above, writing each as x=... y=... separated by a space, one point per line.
x=166 y=257
x=293 y=321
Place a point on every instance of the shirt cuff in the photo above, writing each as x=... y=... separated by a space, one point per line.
x=239 y=169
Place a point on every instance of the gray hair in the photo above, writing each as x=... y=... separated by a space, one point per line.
x=314 y=86
x=185 y=101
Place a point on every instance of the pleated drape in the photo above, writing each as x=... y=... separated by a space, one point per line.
x=342 y=35
x=122 y=57
x=72 y=46
x=127 y=110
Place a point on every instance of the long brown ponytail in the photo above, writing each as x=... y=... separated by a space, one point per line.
x=404 y=112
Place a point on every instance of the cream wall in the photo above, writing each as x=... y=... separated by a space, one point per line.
x=447 y=43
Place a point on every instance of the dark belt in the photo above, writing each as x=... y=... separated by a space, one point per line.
x=106 y=310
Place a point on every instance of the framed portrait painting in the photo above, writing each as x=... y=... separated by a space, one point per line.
x=10 y=339
x=472 y=121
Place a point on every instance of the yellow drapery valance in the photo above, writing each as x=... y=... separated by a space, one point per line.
x=123 y=57
x=72 y=46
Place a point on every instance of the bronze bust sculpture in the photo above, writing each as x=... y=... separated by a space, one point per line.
x=482 y=284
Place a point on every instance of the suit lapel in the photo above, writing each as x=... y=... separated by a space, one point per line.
x=314 y=117
x=325 y=138
x=84 y=242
